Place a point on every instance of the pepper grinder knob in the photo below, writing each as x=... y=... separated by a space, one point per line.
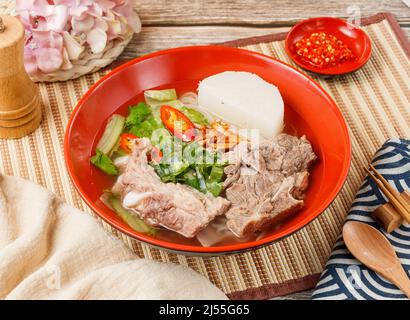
x=20 y=104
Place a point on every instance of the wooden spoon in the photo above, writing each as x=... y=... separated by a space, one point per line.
x=371 y=248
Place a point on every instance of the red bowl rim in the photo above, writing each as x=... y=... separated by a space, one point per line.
x=324 y=71
x=196 y=250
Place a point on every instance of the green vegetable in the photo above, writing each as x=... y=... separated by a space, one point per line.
x=177 y=104
x=216 y=174
x=176 y=167
x=161 y=138
x=173 y=103
x=187 y=163
x=133 y=221
x=189 y=177
x=172 y=149
x=195 y=116
x=214 y=182
x=156 y=114
x=141 y=121
x=193 y=165
x=195 y=154
x=145 y=128
x=172 y=163
x=170 y=172
x=155 y=96
x=117 y=151
x=137 y=114
x=201 y=179
x=111 y=134
x=104 y=163
x=210 y=178
x=214 y=187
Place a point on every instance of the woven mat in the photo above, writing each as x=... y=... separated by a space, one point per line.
x=374 y=101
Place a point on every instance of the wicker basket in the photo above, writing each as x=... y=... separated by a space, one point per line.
x=87 y=63
x=6 y=6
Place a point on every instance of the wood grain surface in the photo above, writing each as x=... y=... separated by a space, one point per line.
x=257 y=12
x=175 y=23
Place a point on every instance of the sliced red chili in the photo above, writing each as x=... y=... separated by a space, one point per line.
x=178 y=123
x=126 y=140
x=323 y=50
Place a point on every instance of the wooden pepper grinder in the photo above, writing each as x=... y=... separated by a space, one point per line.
x=20 y=104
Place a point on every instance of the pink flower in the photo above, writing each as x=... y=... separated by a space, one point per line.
x=43 y=51
x=59 y=31
x=125 y=9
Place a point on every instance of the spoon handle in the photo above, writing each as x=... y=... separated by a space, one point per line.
x=401 y=280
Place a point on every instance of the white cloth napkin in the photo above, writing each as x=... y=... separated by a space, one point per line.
x=49 y=250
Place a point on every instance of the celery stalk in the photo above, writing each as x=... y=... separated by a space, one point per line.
x=134 y=222
x=111 y=134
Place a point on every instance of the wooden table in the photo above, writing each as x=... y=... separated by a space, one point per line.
x=175 y=23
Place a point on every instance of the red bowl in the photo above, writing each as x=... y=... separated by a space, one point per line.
x=309 y=111
x=354 y=37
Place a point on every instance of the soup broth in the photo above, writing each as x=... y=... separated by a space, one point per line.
x=290 y=119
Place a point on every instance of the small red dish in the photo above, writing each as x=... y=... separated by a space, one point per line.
x=309 y=111
x=353 y=37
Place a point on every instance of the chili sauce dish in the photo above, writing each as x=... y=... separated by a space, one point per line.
x=207 y=150
x=329 y=46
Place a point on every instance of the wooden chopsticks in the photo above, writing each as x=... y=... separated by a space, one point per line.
x=401 y=204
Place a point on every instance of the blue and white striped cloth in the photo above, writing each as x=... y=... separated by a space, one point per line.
x=344 y=276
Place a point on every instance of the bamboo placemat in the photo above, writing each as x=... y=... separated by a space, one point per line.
x=374 y=101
